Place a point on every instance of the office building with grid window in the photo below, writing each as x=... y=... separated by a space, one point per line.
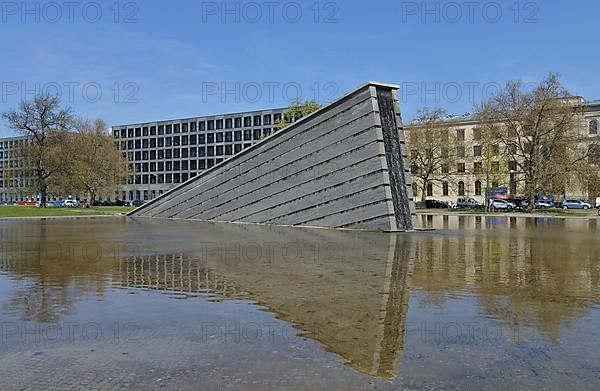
x=165 y=154
x=14 y=186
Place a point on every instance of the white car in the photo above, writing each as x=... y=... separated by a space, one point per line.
x=501 y=204
x=71 y=203
x=542 y=205
x=598 y=202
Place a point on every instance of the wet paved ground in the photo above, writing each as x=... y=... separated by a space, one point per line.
x=480 y=303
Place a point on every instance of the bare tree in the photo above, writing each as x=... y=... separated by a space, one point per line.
x=45 y=124
x=432 y=149
x=539 y=131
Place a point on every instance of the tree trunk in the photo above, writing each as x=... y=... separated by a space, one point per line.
x=43 y=194
x=531 y=205
x=424 y=192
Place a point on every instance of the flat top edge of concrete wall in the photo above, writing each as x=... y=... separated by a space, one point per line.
x=290 y=128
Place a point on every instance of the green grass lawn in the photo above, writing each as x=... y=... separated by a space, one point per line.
x=32 y=211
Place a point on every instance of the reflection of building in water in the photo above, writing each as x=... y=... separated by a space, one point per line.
x=174 y=273
x=522 y=271
x=351 y=294
x=355 y=307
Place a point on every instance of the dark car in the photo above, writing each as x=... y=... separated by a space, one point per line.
x=138 y=203
x=121 y=203
x=436 y=204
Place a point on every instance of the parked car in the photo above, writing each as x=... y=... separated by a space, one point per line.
x=102 y=203
x=542 y=205
x=71 y=203
x=465 y=202
x=575 y=204
x=436 y=204
x=56 y=204
x=503 y=204
x=138 y=203
x=122 y=203
x=598 y=202
x=538 y=204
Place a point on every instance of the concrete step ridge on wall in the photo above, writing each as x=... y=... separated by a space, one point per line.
x=343 y=166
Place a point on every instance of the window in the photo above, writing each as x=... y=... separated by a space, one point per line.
x=161 y=130
x=594 y=127
x=256 y=134
x=477 y=188
x=460 y=151
x=445 y=191
x=460 y=134
x=238 y=122
x=211 y=125
x=460 y=167
x=267 y=120
x=461 y=188
x=477 y=168
x=177 y=128
x=228 y=123
x=477 y=150
x=202 y=126
x=477 y=134
x=257 y=120
x=429 y=190
x=219 y=124
x=247 y=135
x=247 y=122
x=184 y=128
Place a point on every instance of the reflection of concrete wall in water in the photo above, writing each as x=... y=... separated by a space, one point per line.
x=344 y=166
x=354 y=302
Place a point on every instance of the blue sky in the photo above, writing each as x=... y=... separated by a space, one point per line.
x=156 y=60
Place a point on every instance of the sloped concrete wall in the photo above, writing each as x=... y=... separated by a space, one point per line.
x=344 y=166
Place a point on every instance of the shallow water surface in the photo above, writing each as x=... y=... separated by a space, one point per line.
x=479 y=303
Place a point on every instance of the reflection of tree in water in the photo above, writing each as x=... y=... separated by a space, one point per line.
x=45 y=290
x=40 y=303
x=526 y=280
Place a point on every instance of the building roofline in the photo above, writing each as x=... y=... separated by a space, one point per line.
x=197 y=117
